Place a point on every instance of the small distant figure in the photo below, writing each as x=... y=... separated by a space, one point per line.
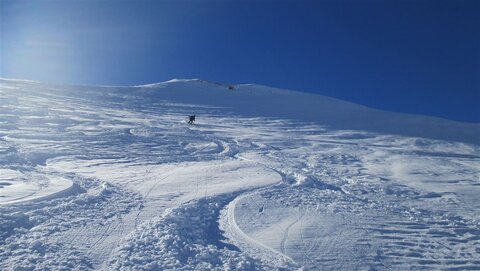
x=231 y=87
x=191 y=119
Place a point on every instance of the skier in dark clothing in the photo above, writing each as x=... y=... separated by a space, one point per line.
x=191 y=119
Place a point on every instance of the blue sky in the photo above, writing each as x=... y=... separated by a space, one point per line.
x=408 y=56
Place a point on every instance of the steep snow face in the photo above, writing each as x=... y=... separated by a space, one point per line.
x=114 y=178
x=260 y=101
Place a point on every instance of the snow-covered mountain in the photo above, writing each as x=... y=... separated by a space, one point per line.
x=114 y=178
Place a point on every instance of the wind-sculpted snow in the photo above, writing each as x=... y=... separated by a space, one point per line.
x=113 y=178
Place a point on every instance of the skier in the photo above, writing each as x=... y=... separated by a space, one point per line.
x=191 y=119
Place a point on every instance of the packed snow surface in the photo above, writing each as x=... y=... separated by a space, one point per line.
x=113 y=178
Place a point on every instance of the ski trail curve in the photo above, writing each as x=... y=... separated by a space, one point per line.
x=287 y=231
x=231 y=228
x=227 y=218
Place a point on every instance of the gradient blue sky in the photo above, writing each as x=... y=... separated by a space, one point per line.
x=408 y=56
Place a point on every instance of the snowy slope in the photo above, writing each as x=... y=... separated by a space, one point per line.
x=113 y=178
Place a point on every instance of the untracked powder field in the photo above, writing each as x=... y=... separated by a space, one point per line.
x=115 y=178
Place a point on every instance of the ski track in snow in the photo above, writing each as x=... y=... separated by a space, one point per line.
x=235 y=192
